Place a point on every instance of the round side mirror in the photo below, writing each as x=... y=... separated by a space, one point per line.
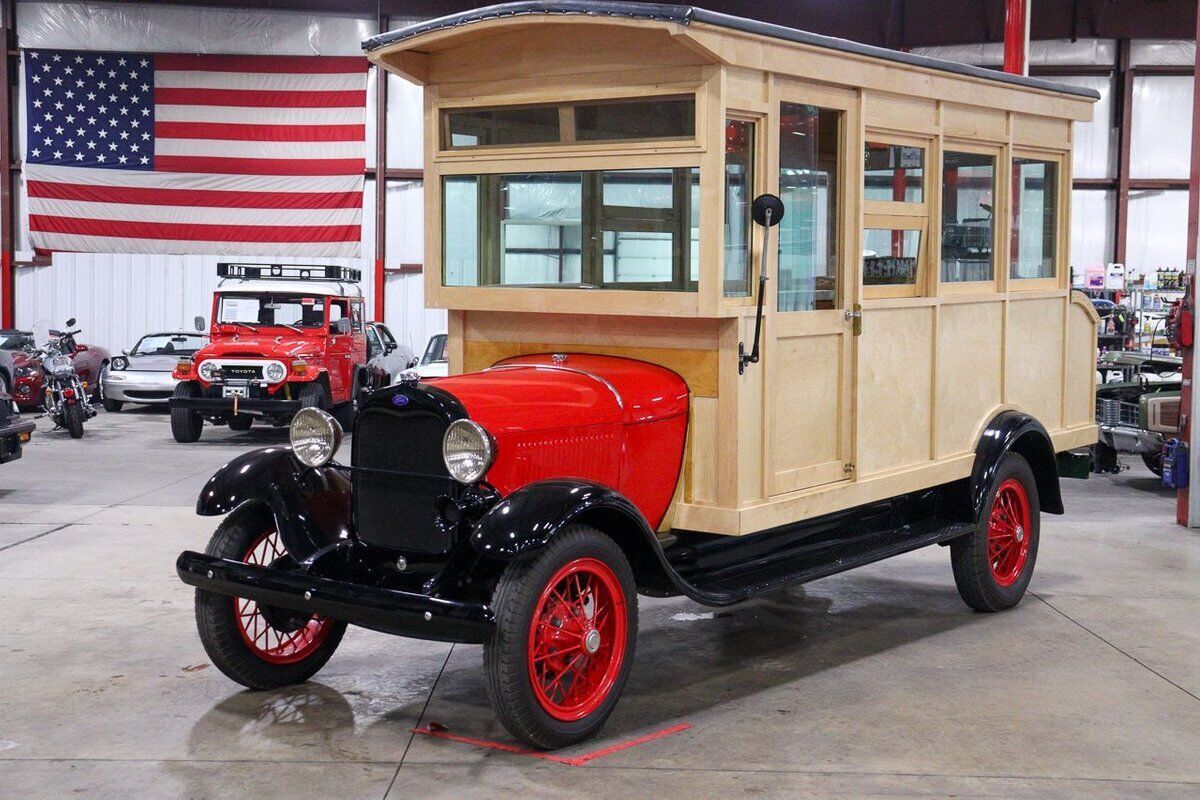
x=767 y=210
x=71 y=322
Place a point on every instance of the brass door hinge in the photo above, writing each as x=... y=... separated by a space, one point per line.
x=855 y=317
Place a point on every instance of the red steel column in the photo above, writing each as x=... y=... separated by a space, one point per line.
x=1187 y=399
x=8 y=219
x=1016 y=36
x=381 y=184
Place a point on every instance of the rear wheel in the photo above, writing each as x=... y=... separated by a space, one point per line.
x=186 y=424
x=993 y=565
x=240 y=422
x=73 y=416
x=566 y=627
x=258 y=646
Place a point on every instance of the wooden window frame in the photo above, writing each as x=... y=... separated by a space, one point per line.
x=880 y=214
x=1061 y=223
x=759 y=153
x=1000 y=219
x=899 y=222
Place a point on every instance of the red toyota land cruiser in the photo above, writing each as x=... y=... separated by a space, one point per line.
x=283 y=337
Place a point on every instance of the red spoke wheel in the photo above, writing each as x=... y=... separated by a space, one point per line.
x=566 y=623
x=993 y=565
x=277 y=636
x=261 y=647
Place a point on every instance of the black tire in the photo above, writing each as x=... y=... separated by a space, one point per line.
x=510 y=668
x=186 y=425
x=113 y=406
x=98 y=388
x=217 y=615
x=347 y=411
x=241 y=422
x=1153 y=462
x=989 y=582
x=73 y=417
x=313 y=395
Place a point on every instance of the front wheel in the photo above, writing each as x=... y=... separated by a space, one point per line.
x=113 y=406
x=260 y=647
x=1153 y=462
x=993 y=564
x=73 y=416
x=186 y=424
x=566 y=627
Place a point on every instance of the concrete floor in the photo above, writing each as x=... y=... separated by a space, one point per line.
x=878 y=682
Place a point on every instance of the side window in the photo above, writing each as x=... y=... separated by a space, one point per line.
x=895 y=218
x=374 y=346
x=809 y=154
x=356 y=319
x=739 y=191
x=338 y=309
x=968 y=219
x=1034 y=247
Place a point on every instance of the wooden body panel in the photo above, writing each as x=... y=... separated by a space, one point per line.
x=826 y=420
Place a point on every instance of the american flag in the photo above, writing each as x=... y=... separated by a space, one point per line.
x=167 y=153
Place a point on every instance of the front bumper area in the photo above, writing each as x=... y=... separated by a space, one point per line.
x=130 y=386
x=1128 y=439
x=11 y=438
x=412 y=614
x=224 y=405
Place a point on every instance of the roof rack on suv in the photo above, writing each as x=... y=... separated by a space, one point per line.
x=291 y=272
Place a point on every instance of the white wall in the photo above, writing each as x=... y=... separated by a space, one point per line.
x=117 y=298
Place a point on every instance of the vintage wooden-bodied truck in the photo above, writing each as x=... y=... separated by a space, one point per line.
x=643 y=397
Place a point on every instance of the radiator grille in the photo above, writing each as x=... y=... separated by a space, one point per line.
x=1116 y=412
x=399 y=510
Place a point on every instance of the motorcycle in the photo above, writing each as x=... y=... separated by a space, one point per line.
x=65 y=399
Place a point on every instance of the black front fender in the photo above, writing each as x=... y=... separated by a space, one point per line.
x=311 y=506
x=1019 y=433
x=526 y=520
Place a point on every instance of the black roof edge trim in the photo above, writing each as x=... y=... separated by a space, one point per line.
x=684 y=15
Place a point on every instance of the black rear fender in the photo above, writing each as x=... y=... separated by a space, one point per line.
x=528 y=519
x=1012 y=431
x=311 y=506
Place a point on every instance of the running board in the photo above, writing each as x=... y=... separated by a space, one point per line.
x=723 y=570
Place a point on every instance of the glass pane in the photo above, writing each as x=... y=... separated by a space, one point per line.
x=460 y=231
x=1035 y=218
x=808 y=162
x=890 y=256
x=968 y=186
x=628 y=229
x=541 y=228
x=739 y=171
x=894 y=173
x=671 y=117
x=500 y=126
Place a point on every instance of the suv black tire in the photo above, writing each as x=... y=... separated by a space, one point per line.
x=993 y=565
x=313 y=395
x=186 y=424
x=1153 y=462
x=225 y=638
x=511 y=661
x=241 y=422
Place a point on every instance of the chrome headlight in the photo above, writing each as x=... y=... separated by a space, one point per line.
x=468 y=451
x=315 y=437
x=275 y=372
x=119 y=363
x=209 y=371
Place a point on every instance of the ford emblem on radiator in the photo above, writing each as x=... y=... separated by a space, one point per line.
x=400 y=400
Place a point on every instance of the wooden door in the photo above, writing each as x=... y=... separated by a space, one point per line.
x=811 y=328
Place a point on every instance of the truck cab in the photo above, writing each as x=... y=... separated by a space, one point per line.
x=283 y=337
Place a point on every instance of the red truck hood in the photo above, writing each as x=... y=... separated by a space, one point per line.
x=528 y=393
x=257 y=346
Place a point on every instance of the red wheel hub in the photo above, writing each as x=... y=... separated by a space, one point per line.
x=577 y=639
x=271 y=635
x=1008 y=532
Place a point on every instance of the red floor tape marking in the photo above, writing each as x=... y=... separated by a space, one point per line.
x=577 y=761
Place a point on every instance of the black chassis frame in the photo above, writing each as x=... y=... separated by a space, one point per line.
x=447 y=598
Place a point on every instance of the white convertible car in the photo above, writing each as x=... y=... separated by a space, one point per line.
x=143 y=374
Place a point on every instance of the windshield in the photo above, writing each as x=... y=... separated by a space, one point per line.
x=168 y=344
x=436 y=350
x=15 y=340
x=256 y=310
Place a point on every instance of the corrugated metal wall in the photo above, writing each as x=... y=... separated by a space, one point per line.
x=117 y=298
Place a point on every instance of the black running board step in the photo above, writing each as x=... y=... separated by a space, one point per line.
x=725 y=580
